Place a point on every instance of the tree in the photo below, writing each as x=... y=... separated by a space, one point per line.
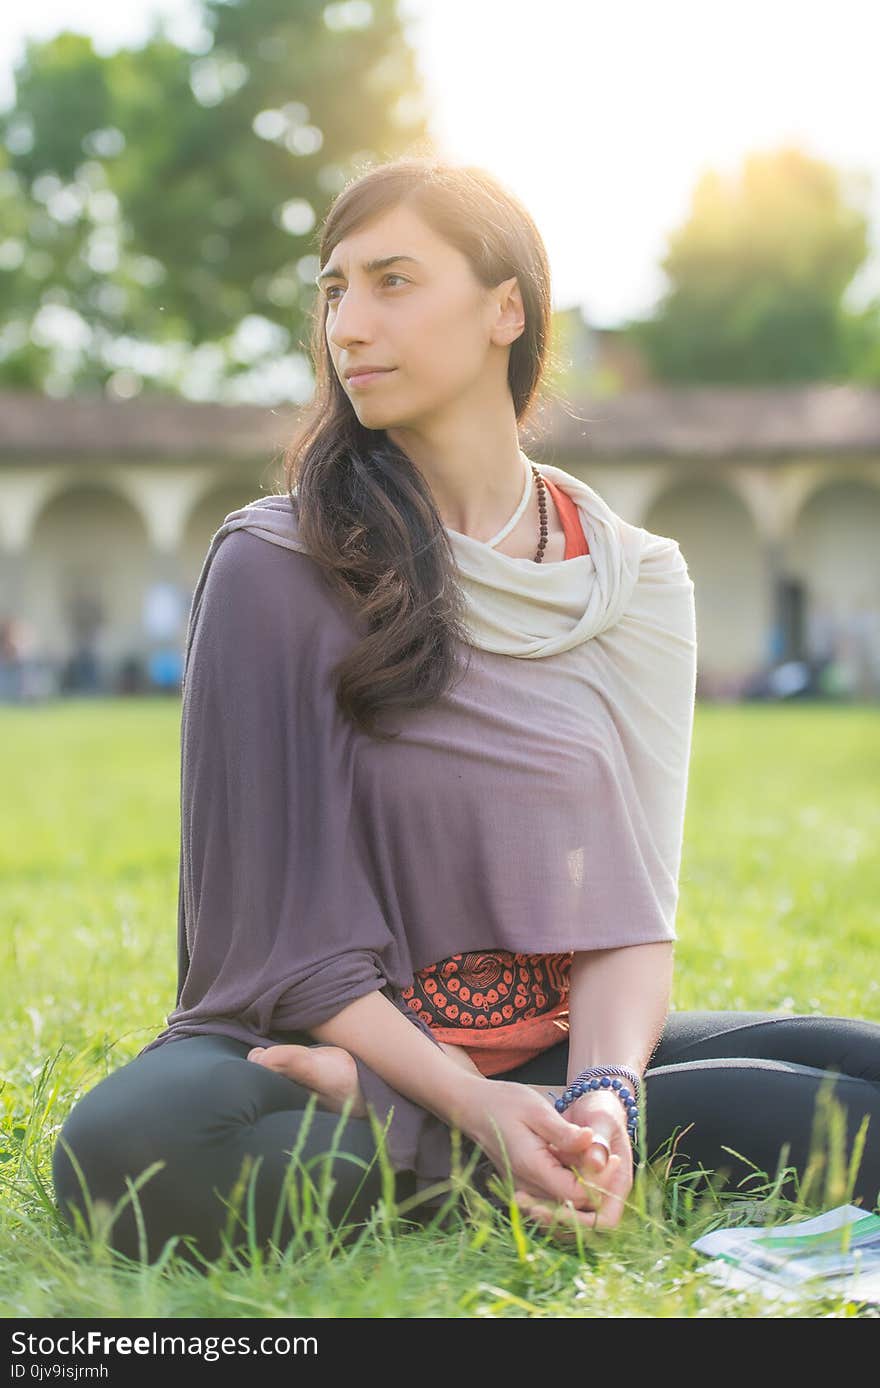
x=757 y=277
x=165 y=204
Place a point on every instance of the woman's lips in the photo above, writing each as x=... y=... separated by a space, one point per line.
x=367 y=377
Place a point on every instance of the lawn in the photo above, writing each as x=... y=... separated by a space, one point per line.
x=779 y=890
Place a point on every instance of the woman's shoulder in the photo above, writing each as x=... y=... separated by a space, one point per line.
x=272 y=519
x=261 y=572
x=662 y=559
x=260 y=543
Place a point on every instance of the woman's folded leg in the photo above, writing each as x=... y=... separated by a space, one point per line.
x=846 y=1045
x=215 y=1120
x=731 y=1114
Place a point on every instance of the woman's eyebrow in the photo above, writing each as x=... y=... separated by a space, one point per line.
x=334 y=273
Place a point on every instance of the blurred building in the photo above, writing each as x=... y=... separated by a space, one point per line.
x=107 y=509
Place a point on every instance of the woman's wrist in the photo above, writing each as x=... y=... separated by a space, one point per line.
x=460 y=1055
x=595 y=1102
x=469 y=1102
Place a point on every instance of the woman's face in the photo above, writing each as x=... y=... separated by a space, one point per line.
x=427 y=319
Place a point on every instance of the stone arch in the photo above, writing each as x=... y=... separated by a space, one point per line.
x=87 y=565
x=832 y=551
x=726 y=561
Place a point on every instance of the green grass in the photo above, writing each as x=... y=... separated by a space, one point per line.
x=779 y=889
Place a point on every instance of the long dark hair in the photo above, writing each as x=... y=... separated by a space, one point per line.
x=365 y=511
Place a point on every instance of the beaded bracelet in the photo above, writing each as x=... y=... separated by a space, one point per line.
x=598 y=1077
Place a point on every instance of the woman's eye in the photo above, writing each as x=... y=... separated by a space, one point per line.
x=392 y=276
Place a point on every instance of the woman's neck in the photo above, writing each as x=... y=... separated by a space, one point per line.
x=523 y=540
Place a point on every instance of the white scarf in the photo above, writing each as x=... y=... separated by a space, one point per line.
x=517 y=607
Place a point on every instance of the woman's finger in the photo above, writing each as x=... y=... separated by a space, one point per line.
x=573 y=1137
x=557 y=1220
x=574 y=1172
x=617 y=1183
x=594 y=1154
x=560 y=1176
x=607 y=1196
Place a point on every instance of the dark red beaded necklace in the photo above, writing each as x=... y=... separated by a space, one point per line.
x=542 y=508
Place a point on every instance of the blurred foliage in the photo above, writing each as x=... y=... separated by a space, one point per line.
x=157 y=196
x=161 y=207
x=757 y=278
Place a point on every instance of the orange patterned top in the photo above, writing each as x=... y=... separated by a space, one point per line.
x=504 y=1008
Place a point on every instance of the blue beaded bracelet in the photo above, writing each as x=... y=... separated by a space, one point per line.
x=591 y=1081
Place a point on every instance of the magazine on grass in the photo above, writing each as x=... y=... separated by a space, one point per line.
x=836 y=1253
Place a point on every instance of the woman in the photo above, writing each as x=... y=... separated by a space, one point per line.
x=436 y=727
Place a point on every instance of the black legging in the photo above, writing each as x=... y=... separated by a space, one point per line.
x=746 y=1080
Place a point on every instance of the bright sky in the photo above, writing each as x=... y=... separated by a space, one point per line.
x=600 y=117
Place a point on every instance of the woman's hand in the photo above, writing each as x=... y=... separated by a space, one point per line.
x=546 y=1151
x=604 y=1178
x=610 y=1174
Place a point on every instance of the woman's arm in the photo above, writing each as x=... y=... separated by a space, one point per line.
x=518 y=1131
x=376 y=1031
x=514 y=1127
x=618 y=1002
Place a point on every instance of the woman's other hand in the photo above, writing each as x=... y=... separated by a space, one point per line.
x=547 y=1152
x=610 y=1173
